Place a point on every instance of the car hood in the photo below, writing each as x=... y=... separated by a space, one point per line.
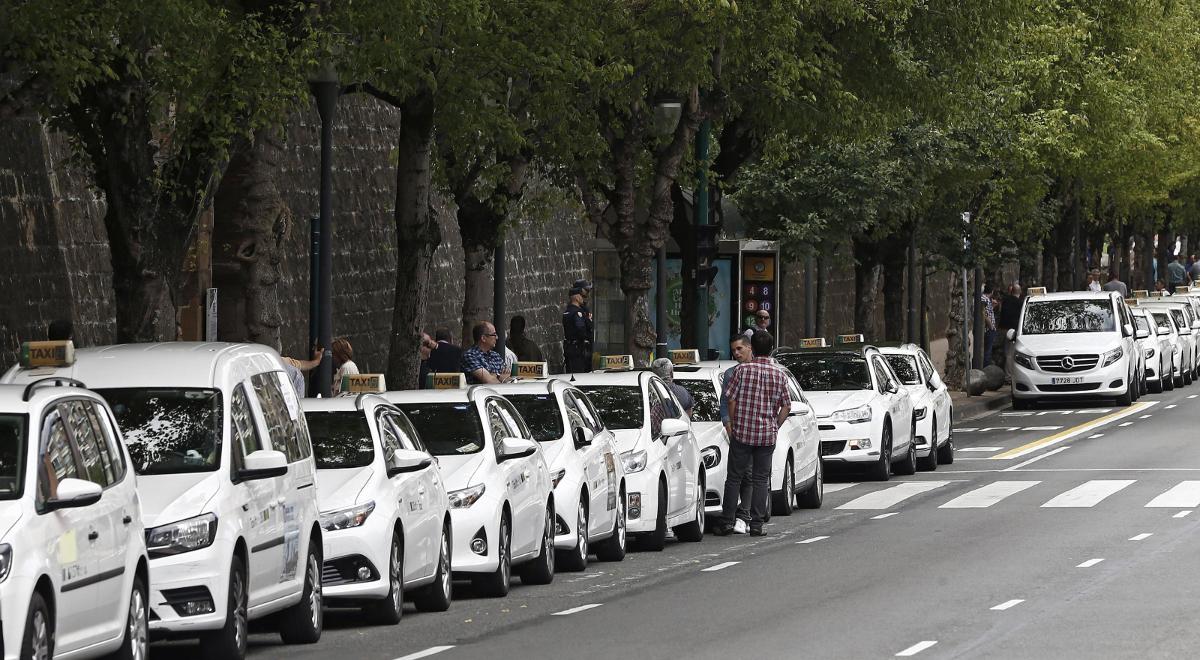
x=627 y=439
x=825 y=403
x=167 y=498
x=9 y=515
x=709 y=434
x=1075 y=343
x=458 y=472
x=338 y=489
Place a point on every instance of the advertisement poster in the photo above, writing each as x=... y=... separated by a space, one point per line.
x=719 y=301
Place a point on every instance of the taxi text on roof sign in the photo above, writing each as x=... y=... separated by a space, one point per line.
x=1037 y=290
x=813 y=342
x=616 y=362
x=47 y=354
x=530 y=370
x=1156 y=294
x=1183 y=289
x=1141 y=293
x=684 y=356
x=449 y=380
x=850 y=339
x=359 y=383
x=1132 y=302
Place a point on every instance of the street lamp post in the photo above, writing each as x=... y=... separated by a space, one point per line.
x=325 y=88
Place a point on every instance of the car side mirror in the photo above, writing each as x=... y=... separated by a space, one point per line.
x=1011 y=333
x=263 y=464
x=1127 y=330
x=511 y=448
x=798 y=409
x=583 y=437
x=672 y=427
x=931 y=385
x=890 y=388
x=407 y=460
x=73 y=493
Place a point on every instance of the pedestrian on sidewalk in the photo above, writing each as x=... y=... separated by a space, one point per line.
x=1115 y=284
x=758 y=405
x=526 y=349
x=1008 y=319
x=762 y=323
x=740 y=349
x=297 y=368
x=482 y=363
x=425 y=351
x=343 y=362
x=60 y=330
x=1176 y=274
x=665 y=369
x=577 y=333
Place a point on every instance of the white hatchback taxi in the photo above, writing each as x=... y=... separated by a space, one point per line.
x=226 y=480
x=932 y=408
x=74 y=573
x=383 y=508
x=501 y=496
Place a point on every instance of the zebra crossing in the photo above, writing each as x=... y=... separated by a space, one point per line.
x=1085 y=495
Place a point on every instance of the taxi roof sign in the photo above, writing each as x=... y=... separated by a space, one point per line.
x=813 y=342
x=1183 y=288
x=1156 y=294
x=446 y=380
x=1037 y=290
x=850 y=339
x=1141 y=293
x=360 y=383
x=47 y=354
x=684 y=355
x=1132 y=302
x=616 y=362
x=530 y=370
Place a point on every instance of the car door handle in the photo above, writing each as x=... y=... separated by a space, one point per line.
x=93 y=535
x=421 y=491
x=127 y=519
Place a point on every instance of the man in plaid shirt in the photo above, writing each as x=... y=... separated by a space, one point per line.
x=758 y=405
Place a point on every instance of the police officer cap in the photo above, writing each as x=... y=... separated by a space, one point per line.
x=576 y=291
x=581 y=284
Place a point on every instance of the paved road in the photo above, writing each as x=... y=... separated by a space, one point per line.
x=1065 y=533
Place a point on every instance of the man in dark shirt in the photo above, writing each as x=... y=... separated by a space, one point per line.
x=1009 y=318
x=445 y=358
x=577 y=334
x=525 y=348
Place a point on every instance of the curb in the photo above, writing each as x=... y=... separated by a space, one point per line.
x=980 y=406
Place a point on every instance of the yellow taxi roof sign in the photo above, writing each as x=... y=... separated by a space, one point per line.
x=360 y=383
x=1156 y=294
x=616 y=362
x=1037 y=290
x=813 y=342
x=530 y=370
x=1183 y=288
x=850 y=339
x=684 y=355
x=1132 y=302
x=446 y=380
x=1141 y=293
x=47 y=354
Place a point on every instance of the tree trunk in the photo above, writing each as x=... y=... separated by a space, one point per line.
x=417 y=236
x=1166 y=248
x=956 y=360
x=894 y=315
x=478 y=287
x=866 y=277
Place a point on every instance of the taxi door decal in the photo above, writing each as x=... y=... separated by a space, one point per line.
x=291 y=543
x=610 y=467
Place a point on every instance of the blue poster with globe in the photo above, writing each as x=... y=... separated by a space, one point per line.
x=720 y=303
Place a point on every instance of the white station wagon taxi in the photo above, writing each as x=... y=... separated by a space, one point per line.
x=74 y=573
x=932 y=407
x=383 y=506
x=226 y=479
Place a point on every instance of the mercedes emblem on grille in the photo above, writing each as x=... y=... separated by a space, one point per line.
x=1068 y=363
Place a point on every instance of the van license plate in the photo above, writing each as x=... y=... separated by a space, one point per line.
x=1066 y=380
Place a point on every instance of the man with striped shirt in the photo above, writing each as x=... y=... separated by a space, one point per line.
x=758 y=405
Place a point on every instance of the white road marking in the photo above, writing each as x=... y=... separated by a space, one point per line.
x=1125 y=424
x=965 y=430
x=1035 y=459
x=577 y=610
x=1089 y=494
x=915 y=649
x=1184 y=495
x=975 y=449
x=1041 y=428
x=1067 y=434
x=986 y=496
x=1145 y=417
x=1170 y=407
x=720 y=567
x=1008 y=603
x=1192 y=396
x=1095 y=435
x=833 y=488
x=1089 y=563
x=1141 y=537
x=812 y=540
x=884 y=515
x=433 y=650
x=888 y=497
x=1181 y=514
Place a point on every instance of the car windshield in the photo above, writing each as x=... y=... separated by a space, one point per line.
x=1180 y=320
x=620 y=405
x=1161 y=320
x=905 y=368
x=541 y=415
x=1141 y=324
x=1051 y=317
x=12 y=455
x=828 y=372
x=447 y=429
x=340 y=439
x=707 y=406
x=169 y=430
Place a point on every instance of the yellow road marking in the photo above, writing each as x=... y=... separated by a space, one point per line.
x=1073 y=431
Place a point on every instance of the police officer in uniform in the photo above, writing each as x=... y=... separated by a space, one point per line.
x=577 y=331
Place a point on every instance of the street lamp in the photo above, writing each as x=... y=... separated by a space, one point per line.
x=667 y=112
x=325 y=88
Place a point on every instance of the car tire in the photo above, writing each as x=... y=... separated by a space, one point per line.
x=657 y=540
x=389 y=610
x=230 y=640
x=693 y=531
x=814 y=495
x=497 y=583
x=1125 y=399
x=1156 y=386
x=1169 y=384
x=613 y=548
x=930 y=462
x=541 y=569
x=882 y=469
x=945 y=453
x=38 y=641
x=136 y=644
x=1187 y=378
x=783 y=499
x=437 y=596
x=302 y=623
x=576 y=559
x=909 y=464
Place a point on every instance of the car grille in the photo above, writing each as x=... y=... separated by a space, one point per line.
x=1080 y=387
x=712 y=498
x=830 y=447
x=1054 y=363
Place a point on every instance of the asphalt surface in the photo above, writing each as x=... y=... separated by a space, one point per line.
x=1066 y=532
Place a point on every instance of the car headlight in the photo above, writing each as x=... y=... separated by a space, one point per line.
x=635 y=461
x=558 y=476
x=1112 y=356
x=347 y=518
x=853 y=415
x=711 y=456
x=183 y=536
x=1023 y=359
x=461 y=499
x=5 y=560
x=919 y=413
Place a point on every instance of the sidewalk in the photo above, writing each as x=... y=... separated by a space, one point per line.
x=970 y=407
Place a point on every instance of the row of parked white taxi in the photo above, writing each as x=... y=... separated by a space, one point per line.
x=184 y=490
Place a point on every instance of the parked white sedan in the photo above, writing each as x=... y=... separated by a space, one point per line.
x=932 y=408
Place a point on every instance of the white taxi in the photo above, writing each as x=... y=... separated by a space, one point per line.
x=73 y=568
x=1157 y=350
x=1180 y=311
x=932 y=407
x=501 y=495
x=383 y=507
x=865 y=416
x=226 y=480
x=585 y=468
x=1168 y=335
x=664 y=474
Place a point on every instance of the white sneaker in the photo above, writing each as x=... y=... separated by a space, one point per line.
x=740 y=527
